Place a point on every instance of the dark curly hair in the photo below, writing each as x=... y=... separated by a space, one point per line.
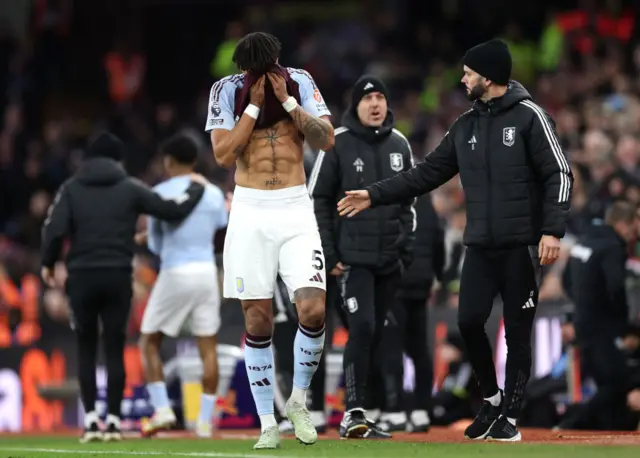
x=257 y=52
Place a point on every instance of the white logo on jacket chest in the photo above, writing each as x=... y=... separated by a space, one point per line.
x=359 y=165
x=396 y=161
x=473 y=142
x=509 y=136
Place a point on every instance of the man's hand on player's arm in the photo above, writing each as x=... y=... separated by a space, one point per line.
x=318 y=132
x=198 y=178
x=354 y=202
x=141 y=238
x=228 y=145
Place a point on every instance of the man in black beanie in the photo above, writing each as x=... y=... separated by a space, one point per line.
x=518 y=185
x=97 y=210
x=367 y=254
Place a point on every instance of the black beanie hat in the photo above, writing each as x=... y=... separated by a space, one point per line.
x=365 y=85
x=106 y=145
x=490 y=59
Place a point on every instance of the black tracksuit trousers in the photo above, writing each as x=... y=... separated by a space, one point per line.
x=367 y=297
x=407 y=332
x=514 y=273
x=103 y=294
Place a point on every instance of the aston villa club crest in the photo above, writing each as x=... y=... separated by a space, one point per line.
x=397 y=162
x=509 y=136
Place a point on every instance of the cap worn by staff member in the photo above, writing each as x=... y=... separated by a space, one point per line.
x=108 y=146
x=366 y=85
x=490 y=59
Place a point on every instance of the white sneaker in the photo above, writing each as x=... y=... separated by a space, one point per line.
x=163 y=418
x=269 y=439
x=112 y=433
x=300 y=417
x=204 y=429
x=92 y=433
x=318 y=419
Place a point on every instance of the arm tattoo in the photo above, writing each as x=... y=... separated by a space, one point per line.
x=316 y=131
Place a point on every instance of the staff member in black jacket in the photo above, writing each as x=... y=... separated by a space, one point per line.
x=407 y=326
x=517 y=184
x=97 y=209
x=366 y=253
x=595 y=281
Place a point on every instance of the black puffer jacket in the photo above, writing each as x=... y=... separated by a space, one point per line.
x=516 y=178
x=428 y=254
x=380 y=238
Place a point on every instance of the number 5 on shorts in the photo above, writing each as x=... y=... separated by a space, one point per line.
x=316 y=257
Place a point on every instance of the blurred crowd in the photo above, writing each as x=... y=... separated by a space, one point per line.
x=587 y=77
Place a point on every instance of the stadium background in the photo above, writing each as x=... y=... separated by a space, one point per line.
x=143 y=68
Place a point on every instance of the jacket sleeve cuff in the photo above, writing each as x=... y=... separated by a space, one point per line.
x=374 y=195
x=557 y=233
x=48 y=263
x=331 y=260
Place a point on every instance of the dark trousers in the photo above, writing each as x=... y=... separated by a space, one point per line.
x=406 y=331
x=103 y=294
x=366 y=298
x=606 y=410
x=514 y=274
x=376 y=396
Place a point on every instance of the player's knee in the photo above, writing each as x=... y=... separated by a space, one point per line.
x=148 y=342
x=258 y=317
x=310 y=304
x=311 y=316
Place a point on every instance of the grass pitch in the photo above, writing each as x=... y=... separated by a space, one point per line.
x=60 y=447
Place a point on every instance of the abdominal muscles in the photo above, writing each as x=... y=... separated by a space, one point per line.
x=272 y=159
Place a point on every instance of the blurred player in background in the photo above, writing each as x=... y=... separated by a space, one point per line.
x=187 y=287
x=258 y=120
x=97 y=210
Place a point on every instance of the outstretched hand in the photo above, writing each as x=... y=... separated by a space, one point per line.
x=354 y=203
x=141 y=238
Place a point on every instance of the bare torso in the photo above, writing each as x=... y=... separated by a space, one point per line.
x=273 y=158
